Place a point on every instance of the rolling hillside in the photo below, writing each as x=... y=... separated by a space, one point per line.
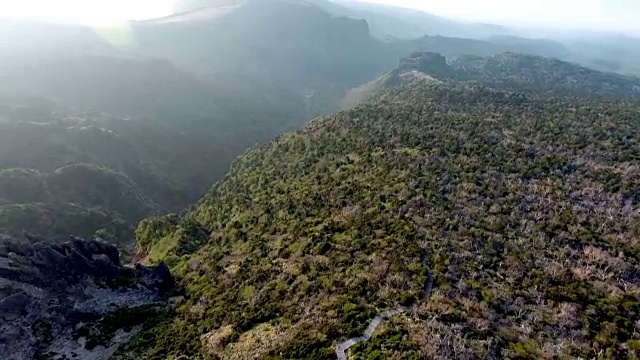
x=523 y=207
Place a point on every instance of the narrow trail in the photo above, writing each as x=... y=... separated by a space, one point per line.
x=343 y=348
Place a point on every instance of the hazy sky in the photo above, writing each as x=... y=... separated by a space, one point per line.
x=86 y=11
x=621 y=15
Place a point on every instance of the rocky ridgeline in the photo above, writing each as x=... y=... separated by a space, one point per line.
x=73 y=299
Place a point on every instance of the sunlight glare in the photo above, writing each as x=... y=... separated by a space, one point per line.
x=86 y=12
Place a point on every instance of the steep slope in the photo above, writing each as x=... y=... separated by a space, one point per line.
x=381 y=23
x=293 y=44
x=524 y=208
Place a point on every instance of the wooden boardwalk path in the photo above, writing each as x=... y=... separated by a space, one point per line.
x=343 y=348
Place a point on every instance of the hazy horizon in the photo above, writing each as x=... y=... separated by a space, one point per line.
x=86 y=12
x=597 y=15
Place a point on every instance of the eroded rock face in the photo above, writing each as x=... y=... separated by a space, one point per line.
x=56 y=297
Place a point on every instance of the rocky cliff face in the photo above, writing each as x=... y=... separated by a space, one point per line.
x=72 y=299
x=427 y=62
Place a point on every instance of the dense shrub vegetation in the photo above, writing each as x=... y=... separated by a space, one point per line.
x=545 y=75
x=507 y=72
x=525 y=207
x=514 y=179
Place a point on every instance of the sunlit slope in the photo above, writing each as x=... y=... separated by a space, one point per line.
x=524 y=208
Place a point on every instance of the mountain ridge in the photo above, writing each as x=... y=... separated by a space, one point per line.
x=271 y=79
x=503 y=72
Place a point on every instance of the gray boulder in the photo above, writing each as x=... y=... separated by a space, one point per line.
x=54 y=293
x=13 y=305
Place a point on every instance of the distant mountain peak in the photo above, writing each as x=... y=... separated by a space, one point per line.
x=425 y=62
x=184 y=6
x=421 y=66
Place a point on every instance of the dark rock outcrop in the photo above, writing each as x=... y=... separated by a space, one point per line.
x=426 y=62
x=417 y=66
x=50 y=291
